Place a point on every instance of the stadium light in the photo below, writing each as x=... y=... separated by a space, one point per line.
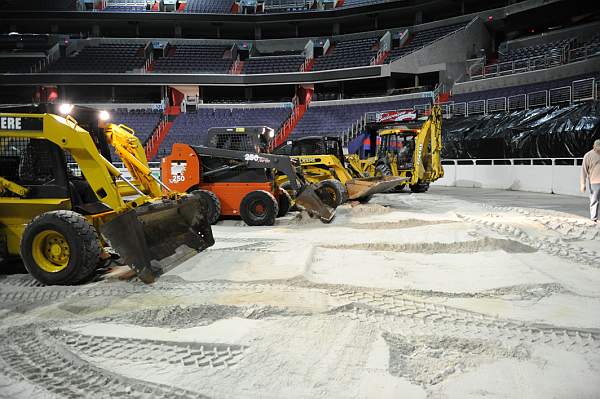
x=104 y=115
x=65 y=108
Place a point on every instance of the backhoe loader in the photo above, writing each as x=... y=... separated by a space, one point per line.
x=240 y=177
x=63 y=223
x=323 y=163
x=410 y=150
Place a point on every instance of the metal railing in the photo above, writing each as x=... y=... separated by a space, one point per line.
x=496 y=105
x=476 y=107
x=537 y=99
x=560 y=95
x=482 y=71
x=581 y=53
x=514 y=161
x=579 y=90
x=583 y=89
x=518 y=102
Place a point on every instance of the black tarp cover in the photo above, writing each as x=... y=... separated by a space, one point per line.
x=551 y=132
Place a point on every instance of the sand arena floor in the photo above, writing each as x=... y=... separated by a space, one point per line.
x=409 y=296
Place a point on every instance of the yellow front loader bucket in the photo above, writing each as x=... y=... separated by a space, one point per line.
x=367 y=186
x=157 y=236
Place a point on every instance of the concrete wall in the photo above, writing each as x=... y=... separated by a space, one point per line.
x=555 y=179
x=447 y=54
x=398 y=97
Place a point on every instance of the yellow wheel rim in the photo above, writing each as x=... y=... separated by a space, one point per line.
x=51 y=251
x=332 y=192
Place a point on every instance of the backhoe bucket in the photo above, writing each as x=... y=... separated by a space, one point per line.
x=367 y=186
x=156 y=237
x=309 y=200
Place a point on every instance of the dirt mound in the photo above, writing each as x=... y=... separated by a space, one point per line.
x=461 y=247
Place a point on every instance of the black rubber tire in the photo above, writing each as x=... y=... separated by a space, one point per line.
x=269 y=206
x=419 y=187
x=214 y=211
x=288 y=188
x=82 y=239
x=284 y=201
x=332 y=192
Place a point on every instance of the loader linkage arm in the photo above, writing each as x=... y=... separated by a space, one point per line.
x=13 y=187
x=254 y=160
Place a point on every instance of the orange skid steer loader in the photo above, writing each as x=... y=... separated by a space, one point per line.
x=239 y=179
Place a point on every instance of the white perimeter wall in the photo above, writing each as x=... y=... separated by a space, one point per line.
x=554 y=178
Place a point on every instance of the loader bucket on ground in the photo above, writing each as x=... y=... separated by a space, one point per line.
x=156 y=237
x=309 y=200
x=367 y=186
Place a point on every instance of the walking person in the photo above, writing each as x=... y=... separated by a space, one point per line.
x=590 y=175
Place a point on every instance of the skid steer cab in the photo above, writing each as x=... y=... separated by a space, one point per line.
x=411 y=150
x=232 y=172
x=323 y=163
x=65 y=209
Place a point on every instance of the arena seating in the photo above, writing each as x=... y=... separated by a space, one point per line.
x=125 y=8
x=423 y=38
x=106 y=58
x=352 y=3
x=334 y=119
x=273 y=64
x=348 y=54
x=141 y=121
x=194 y=59
x=26 y=43
x=209 y=6
x=190 y=127
x=272 y=6
x=547 y=48
x=19 y=64
x=36 y=5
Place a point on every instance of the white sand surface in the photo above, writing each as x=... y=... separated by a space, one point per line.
x=409 y=296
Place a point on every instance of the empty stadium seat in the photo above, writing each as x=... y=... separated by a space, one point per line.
x=194 y=59
x=548 y=48
x=335 y=119
x=255 y=65
x=20 y=64
x=106 y=58
x=191 y=127
x=348 y=54
x=209 y=6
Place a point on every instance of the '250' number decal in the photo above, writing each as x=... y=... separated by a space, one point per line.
x=177 y=179
x=255 y=158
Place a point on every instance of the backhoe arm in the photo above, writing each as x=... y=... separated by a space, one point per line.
x=436 y=142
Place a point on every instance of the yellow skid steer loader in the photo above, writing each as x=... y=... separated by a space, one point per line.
x=323 y=164
x=63 y=222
